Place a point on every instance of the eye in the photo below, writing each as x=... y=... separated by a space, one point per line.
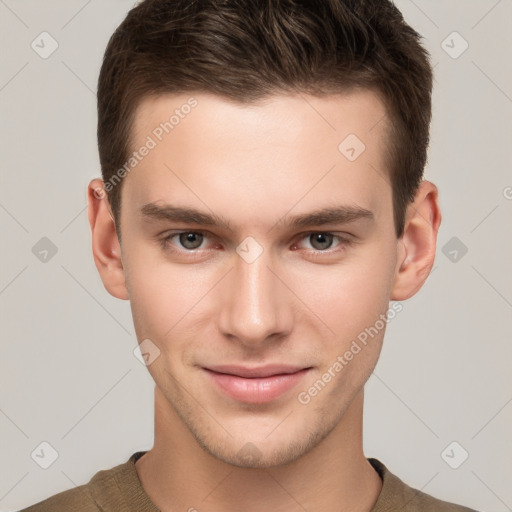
x=189 y=240
x=322 y=243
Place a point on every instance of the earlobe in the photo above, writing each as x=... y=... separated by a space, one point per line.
x=105 y=244
x=417 y=247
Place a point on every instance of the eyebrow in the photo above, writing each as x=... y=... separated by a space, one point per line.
x=319 y=217
x=172 y=213
x=328 y=215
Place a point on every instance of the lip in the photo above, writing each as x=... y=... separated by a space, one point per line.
x=256 y=385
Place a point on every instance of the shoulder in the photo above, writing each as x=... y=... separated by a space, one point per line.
x=78 y=499
x=84 y=498
x=397 y=495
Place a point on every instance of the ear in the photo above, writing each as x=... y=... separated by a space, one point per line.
x=417 y=246
x=105 y=244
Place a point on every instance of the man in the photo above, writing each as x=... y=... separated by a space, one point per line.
x=262 y=202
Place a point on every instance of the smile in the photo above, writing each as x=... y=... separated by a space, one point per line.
x=256 y=390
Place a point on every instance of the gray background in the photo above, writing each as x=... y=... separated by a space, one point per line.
x=68 y=373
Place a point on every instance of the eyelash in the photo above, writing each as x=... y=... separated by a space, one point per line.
x=344 y=242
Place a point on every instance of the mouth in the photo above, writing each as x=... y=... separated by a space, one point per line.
x=256 y=385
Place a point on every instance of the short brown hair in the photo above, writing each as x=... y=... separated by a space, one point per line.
x=245 y=50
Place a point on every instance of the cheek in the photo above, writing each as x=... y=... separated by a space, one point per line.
x=155 y=292
x=352 y=303
x=163 y=296
x=350 y=296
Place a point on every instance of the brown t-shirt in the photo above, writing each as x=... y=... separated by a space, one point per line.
x=119 y=490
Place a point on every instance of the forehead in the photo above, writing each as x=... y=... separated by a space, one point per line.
x=360 y=110
x=280 y=151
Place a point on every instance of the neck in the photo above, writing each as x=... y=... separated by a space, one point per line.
x=178 y=474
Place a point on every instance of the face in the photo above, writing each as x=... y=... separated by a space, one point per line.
x=255 y=279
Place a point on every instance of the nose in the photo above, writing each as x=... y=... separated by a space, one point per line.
x=256 y=306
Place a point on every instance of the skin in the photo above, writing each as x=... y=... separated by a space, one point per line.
x=257 y=165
